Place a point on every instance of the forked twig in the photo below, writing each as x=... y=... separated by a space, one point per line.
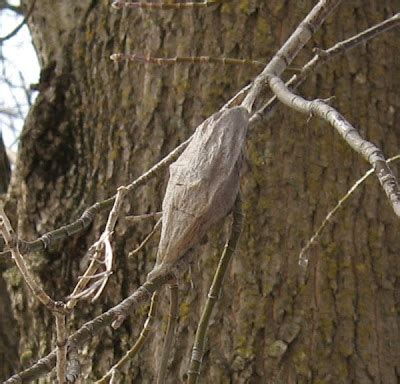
x=56 y=308
x=214 y=293
x=100 y=247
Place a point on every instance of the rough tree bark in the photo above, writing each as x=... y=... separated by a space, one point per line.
x=96 y=125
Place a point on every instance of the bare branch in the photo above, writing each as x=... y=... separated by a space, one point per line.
x=20 y=25
x=184 y=60
x=323 y=57
x=290 y=49
x=61 y=365
x=214 y=293
x=367 y=150
x=166 y=6
x=87 y=217
x=12 y=243
x=95 y=326
x=146 y=239
x=147 y=329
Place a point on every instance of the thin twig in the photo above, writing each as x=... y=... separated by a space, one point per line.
x=166 y=6
x=184 y=60
x=214 y=293
x=146 y=239
x=303 y=258
x=12 y=244
x=104 y=241
x=20 y=25
x=147 y=328
x=136 y=218
x=169 y=335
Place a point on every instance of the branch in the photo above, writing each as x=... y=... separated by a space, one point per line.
x=101 y=246
x=184 y=60
x=12 y=243
x=323 y=57
x=61 y=332
x=291 y=48
x=367 y=150
x=93 y=327
x=19 y=26
x=57 y=308
x=214 y=293
x=147 y=328
x=146 y=239
x=166 y=6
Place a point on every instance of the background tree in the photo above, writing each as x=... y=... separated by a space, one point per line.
x=97 y=125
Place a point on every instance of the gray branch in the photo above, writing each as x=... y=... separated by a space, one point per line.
x=367 y=150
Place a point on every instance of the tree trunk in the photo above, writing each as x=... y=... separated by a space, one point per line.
x=97 y=125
